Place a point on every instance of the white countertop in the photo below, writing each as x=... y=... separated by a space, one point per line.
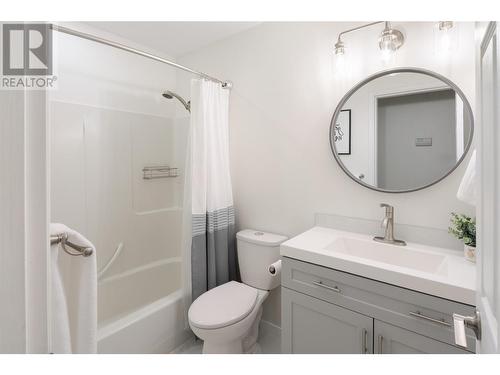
x=455 y=280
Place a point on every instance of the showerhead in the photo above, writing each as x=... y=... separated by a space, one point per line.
x=170 y=95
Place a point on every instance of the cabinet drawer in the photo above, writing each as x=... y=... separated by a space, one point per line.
x=421 y=313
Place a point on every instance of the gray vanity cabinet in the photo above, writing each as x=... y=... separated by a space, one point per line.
x=389 y=339
x=330 y=311
x=312 y=326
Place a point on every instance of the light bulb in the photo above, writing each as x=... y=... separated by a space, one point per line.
x=386 y=54
x=445 y=35
x=339 y=58
x=389 y=41
x=339 y=63
x=339 y=48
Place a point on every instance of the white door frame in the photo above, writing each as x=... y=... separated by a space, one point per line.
x=37 y=219
x=488 y=200
x=24 y=213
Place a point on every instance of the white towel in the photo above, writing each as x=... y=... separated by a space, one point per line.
x=61 y=338
x=467 y=189
x=74 y=326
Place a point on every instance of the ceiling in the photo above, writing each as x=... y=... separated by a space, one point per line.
x=173 y=38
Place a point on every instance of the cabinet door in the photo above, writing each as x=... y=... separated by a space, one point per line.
x=390 y=339
x=311 y=325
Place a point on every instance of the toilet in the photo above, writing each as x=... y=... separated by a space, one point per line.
x=227 y=317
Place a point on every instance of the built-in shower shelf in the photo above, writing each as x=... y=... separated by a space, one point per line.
x=159 y=171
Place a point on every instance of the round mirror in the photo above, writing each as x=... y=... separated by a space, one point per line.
x=401 y=130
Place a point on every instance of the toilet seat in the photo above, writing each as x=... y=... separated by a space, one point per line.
x=222 y=306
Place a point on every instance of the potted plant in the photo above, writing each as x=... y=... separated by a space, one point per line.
x=464 y=228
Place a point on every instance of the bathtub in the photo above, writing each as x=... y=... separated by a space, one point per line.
x=142 y=310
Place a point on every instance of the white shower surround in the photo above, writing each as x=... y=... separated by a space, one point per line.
x=108 y=121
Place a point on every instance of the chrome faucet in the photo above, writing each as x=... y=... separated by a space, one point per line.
x=388 y=224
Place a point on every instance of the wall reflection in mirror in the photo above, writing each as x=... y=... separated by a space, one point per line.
x=401 y=130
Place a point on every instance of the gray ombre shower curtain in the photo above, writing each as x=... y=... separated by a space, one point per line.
x=213 y=257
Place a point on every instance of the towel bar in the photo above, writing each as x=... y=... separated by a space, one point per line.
x=62 y=238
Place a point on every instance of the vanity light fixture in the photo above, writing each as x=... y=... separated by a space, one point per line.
x=391 y=39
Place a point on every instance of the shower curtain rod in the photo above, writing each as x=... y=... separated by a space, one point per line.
x=65 y=30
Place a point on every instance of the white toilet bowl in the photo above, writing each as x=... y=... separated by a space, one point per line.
x=227 y=318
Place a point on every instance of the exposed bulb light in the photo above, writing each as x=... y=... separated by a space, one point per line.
x=339 y=58
x=390 y=40
x=445 y=31
x=339 y=48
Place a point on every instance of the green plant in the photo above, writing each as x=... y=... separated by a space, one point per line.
x=464 y=228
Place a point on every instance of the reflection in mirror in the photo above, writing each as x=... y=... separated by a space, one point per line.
x=401 y=131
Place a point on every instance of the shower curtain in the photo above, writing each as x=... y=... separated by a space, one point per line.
x=213 y=257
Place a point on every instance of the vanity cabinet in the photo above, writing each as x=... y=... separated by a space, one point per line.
x=317 y=327
x=330 y=311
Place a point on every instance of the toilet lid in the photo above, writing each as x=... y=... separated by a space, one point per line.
x=222 y=306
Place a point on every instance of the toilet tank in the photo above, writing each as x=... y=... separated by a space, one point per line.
x=256 y=251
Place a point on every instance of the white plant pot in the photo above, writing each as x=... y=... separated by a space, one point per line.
x=470 y=253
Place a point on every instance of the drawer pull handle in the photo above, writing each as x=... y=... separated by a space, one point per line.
x=364 y=340
x=333 y=288
x=421 y=316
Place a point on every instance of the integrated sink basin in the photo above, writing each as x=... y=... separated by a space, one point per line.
x=432 y=270
x=407 y=256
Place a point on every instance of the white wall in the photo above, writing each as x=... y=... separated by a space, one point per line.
x=285 y=92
